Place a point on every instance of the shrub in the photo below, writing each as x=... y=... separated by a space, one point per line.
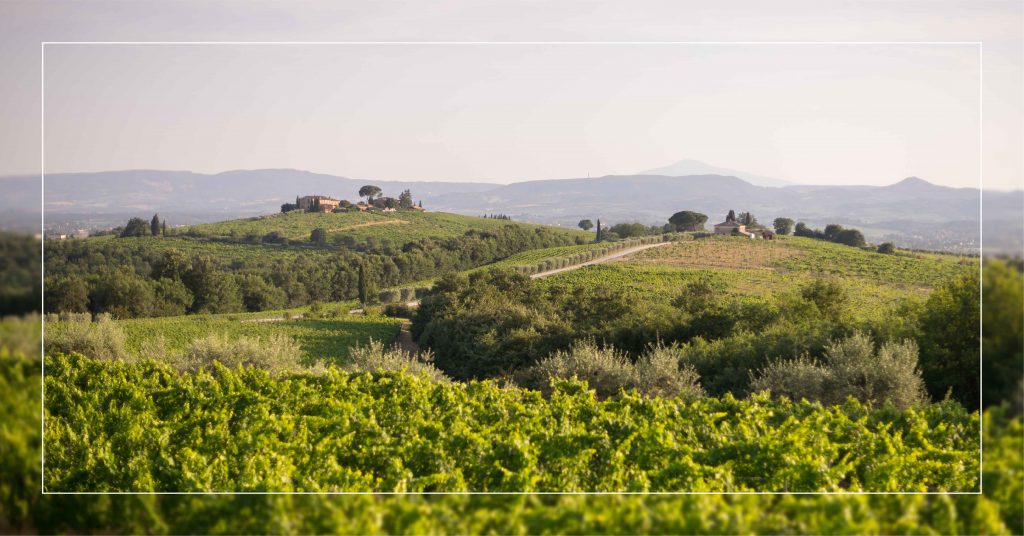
x=389 y=296
x=887 y=248
x=851 y=367
x=608 y=371
x=398 y=310
x=375 y=357
x=102 y=339
x=658 y=373
x=277 y=353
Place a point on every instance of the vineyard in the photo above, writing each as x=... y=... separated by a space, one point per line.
x=742 y=269
x=395 y=227
x=143 y=427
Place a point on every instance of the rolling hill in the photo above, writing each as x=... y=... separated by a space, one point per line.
x=911 y=213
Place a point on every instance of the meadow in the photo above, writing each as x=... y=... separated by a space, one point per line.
x=325 y=335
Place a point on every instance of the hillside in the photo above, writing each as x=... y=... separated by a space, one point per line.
x=353 y=228
x=911 y=213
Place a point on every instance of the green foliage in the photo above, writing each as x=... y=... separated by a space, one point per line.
x=375 y=357
x=610 y=372
x=687 y=220
x=950 y=340
x=1002 y=331
x=23 y=509
x=586 y=225
x=135 y=227
x=277 y=354
x=395 y=432
x=20 y=285
x=886 y=248
x=103 y=339
x=851 y=368
x=783 y=226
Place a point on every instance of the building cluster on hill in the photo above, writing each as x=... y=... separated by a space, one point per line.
x=374 y=202
x=738 y=227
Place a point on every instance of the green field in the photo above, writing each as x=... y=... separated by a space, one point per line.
x=742 y=269
x=394 y=227
x=324 y=337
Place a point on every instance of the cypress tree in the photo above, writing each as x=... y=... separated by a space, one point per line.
x=598 y=237
x=154 y=225
x=163 y=227
x=363 y=291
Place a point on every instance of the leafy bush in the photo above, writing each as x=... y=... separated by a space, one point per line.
x=852 y=368
x=276 y=354
x=609 y=371
x=103 y=339
x=375 y=357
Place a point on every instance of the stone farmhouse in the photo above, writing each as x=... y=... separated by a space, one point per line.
x=731 y=227
x=320 y=203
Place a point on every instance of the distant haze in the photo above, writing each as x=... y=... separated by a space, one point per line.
x=502 y=113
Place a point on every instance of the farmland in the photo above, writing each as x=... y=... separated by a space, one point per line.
x=751 y=270
x=352 y=228
x=324 y=336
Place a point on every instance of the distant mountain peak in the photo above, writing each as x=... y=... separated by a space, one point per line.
x=690 y=166
x=912 y=182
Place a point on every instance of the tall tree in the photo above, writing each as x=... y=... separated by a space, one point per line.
x=597 y=238
x=586 y=225
x=405 y=199
x=687 y=220
x=154 y=225
x=369 y=192
x=731 y=216
x=747 y=218
x=364 y=290
x=783 y=225
x=163 y=227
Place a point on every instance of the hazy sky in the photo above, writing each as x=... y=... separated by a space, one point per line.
x=821 y=114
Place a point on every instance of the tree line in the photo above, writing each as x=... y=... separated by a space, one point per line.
x=131 y=280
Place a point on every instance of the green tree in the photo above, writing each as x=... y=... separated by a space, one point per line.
x=369 y=192
x=597 y=237
x=154 y=225
x=214 y=288
x=171 y=297
x=731 y=216
x=586 y=225
x=832 y=230
x=950 y=340
x=405 y=200
x=67 y=295
x=318 y=236
x=829 y=297
x=747 y=218
x=783 y=226
x=850 y=237
x=136 y=227
x=887 y=248
x=687 y=220
x=163 y=227
x=1002 y=330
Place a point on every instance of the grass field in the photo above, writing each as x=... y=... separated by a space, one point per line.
x=325 y=336
x=395 y=227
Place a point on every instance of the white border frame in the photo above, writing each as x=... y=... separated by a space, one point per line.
x=981 y=259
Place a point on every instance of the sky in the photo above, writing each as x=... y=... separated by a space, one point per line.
x=809 y=113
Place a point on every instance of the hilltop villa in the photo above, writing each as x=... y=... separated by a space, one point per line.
x=730 y=226
x=322 y=203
